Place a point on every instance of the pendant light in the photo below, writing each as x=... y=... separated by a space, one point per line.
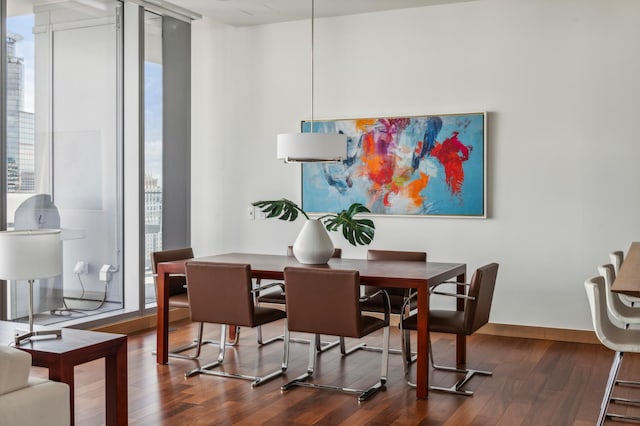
x=311 y=147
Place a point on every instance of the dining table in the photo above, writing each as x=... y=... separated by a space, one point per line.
x=628 y=278
x=378 y=273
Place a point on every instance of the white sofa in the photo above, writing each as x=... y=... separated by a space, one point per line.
x=25 y=400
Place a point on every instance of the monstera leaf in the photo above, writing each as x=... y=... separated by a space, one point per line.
x=283 y=209
x=356 y=231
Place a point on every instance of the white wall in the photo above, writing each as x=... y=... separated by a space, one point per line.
x=558 y=78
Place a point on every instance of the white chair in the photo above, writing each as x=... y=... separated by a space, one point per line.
x=618 y=309
x=616 y=257
x=618 y=339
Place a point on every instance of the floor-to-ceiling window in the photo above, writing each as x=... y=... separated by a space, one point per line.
x=152 y=145
x=66 y=164
x=63 y=149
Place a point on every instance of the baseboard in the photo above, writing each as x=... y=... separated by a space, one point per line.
x=134 y=325
x=544 y=333
x=131 y=326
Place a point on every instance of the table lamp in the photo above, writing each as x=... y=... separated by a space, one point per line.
x=30 y=255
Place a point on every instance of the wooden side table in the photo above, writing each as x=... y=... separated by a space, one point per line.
x=76 y=347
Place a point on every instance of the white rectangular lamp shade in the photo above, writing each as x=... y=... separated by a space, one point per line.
x=311 y=147
x=30 y=254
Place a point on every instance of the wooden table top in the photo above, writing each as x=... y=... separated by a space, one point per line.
x=628 y=279
x=379 y=272
x=71 y=340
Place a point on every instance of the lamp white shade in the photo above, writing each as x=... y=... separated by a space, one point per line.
x=30 y=254
x=311 y=147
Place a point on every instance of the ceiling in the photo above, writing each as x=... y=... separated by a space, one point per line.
x=256 y=12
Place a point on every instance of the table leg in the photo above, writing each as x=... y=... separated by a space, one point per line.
x=422 y=373
x=461 y=339
x=232 y=333
x=62 y=371
x=116 y=386
x=162 y=316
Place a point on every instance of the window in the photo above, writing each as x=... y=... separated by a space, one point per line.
x=152 y=146
x=63 y=165
x=66 y=160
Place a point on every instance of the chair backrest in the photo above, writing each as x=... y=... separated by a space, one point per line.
x=613 y=301
x=176 y=282
x=616 y=257
x=337 y=252
x=220 y=293
x=478 y=307
x=611 y=336
x=415 y=256
x=411 y=256
x=323 y=301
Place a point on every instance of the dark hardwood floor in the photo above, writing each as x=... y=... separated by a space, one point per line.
x=534 y=382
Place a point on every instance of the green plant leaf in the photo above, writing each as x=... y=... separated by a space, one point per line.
x=283 y=209
x=356 y=231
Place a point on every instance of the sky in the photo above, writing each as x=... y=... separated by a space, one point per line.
x=23 y=25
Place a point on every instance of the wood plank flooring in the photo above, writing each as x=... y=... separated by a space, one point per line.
x=534 y=382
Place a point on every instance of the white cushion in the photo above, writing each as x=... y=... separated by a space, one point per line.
x=14 y=369
x=44 y=402
x=26 y=401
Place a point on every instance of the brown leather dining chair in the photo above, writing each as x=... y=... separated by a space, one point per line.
x=325 y=301
x=178 y=296
x=397 y=296
x=276 y=295
x=477 y=306
x=222 y=293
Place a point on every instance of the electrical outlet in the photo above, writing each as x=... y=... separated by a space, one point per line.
x=81 y=268
x=105 y=273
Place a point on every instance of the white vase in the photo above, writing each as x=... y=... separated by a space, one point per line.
x=313 y=246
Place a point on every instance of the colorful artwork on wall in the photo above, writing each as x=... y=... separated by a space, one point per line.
x=425 y=165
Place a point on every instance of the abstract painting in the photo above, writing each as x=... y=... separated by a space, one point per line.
x=423 y=165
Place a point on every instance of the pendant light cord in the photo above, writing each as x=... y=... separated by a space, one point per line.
x=312 y=59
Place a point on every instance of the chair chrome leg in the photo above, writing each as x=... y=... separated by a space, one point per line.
x=255 y=380
x=363 y=394
x=456 y=388
x=197 y=344
x=285 y=354
x=321 y=346
x=266 y=342
x=285 y=361
x=311 y=365
x=621 y=417
x=628 y=383
x=384 y=369
x=625 y=401
x=366 y=347
x=343 y=347
x=611 y=382
x=204 y=368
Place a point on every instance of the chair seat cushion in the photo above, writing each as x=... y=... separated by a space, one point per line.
x=177 y=285
x=440 y=321
x=179 y=301
x=396 y=302
x=264 y=315
x=369 y=325
x=274 y=295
